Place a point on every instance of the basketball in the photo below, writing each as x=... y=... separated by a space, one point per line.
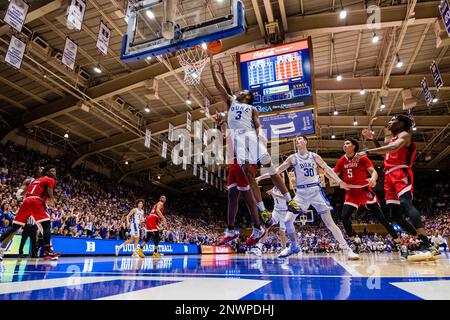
x=214 y=46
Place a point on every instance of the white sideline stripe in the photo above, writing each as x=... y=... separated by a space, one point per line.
x=428 y=290
x=348 y=268
x=15 y=287
x=195 y=289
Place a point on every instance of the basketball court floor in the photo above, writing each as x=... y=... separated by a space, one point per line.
x=226 y=277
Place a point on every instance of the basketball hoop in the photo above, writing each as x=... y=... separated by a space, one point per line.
x=303 y=219
x=193 y=60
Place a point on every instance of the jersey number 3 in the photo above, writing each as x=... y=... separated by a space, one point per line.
x=239 y=115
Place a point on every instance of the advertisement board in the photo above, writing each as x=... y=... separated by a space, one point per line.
x=89 y=246
x=216 y=249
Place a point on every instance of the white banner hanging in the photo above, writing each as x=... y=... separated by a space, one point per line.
x=207 y=104
x=16 y=50
x=206 y=176
x=164 y=150
x=69 y=54
x=212 y=179
x=75 y=14
x=128 y=9
x=148 y=138
x=16 y=14
x=436 y=75
x=104 y=34
x=201 y=173
x=194 y=170
x=188 y=121
x=170 y=132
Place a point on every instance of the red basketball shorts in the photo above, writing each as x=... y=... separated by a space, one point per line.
x=356 y=197
x=32 y=206
x=237 y=178
x=397 y=183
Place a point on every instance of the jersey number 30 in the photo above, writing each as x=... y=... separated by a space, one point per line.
x=309 y=172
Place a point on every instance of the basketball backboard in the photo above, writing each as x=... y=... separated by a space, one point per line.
x=161 y=26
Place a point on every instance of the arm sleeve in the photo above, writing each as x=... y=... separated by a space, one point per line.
x=338 y=167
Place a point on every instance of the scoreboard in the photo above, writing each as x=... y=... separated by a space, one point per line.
x=279 y=77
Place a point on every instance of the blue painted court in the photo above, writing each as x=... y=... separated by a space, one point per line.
x=225 y=277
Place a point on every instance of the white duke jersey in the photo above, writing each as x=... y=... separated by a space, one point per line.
x=137 y=216
x=279 y=203
x=305 y=168
x=240 y=116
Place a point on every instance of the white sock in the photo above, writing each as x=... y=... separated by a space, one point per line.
x=259 y=245
x=287 y=196
x=261 y=206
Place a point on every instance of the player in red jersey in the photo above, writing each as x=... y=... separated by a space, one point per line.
x=398 y=181
x=355 y=172
x=39 y=192
x=152 y=226
x=237 y=184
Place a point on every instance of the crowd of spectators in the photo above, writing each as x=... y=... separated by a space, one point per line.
x=89 y=204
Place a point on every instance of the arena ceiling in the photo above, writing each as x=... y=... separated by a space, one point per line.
x=43 y=100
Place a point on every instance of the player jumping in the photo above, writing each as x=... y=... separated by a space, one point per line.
x=309 y=192
x=39 y=192
x=398 y=181
x=136 y=215
x=243 y=124
x=354 y=172
x=152 y=225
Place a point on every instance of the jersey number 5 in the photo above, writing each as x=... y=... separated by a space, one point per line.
x=349 y=173
x=239 y=115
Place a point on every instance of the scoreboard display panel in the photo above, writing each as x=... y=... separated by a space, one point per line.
x=279 y=77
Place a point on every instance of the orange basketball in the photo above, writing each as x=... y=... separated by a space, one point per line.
x=214 y=46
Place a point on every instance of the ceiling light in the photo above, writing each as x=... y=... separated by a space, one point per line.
x=66 y=135
x=339 y=77
x=435 y=99
x=437 y=170
x=148 y=58
x=399 y=62
x=159 y=177
x=343 y=14
x=188 y=99
x=382 y=105
x=150 y=14
x=147 y=109
x=355 y=123
x=362 y=91
x=126 y=162
x=97 y=69
x=335 y=112
x=333 y=136
x=414 y=129
x=375 y=38
x=201 y=189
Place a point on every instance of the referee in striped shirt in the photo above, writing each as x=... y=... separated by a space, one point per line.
x=29 y=231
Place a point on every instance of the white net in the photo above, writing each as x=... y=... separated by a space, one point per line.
x=193 y=60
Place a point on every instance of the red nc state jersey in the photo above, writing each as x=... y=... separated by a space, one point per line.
x=353 y=172
x=38 y=187
x=402 y=157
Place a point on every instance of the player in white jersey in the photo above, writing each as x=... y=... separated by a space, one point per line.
x=309 y=192
x=285 y=218
x=250 y=145
x=134 y=220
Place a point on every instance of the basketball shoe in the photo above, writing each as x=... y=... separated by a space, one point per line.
x=350 y=254
x=230 y=235
x=140 y=253
x=289 y=251
x=256 y=235
x=51 y=255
